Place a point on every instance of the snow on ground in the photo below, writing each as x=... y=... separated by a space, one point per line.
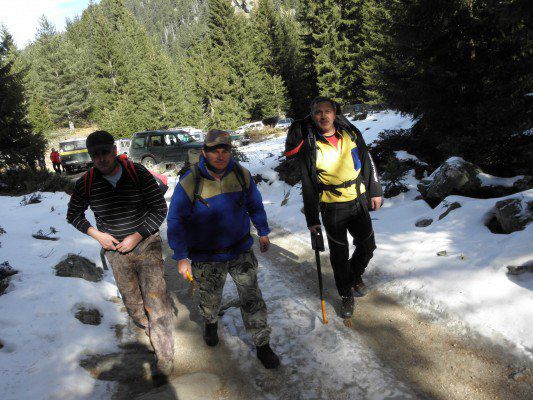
x=469 y=284
x=43 y=342
x=376 y=123
x=490 y=180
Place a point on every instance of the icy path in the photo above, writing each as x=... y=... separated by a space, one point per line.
x=319 y=361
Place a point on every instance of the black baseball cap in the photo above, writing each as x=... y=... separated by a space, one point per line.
x=99 y=140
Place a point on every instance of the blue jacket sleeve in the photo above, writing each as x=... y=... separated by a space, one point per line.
x=256 y=211
x=179 y=213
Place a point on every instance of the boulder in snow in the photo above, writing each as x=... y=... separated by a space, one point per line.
x=521 y=269
x=88 y=316
x=394 y=189
x=455 y=176
x=75 y=266
x=512 y=215
x=422 y=223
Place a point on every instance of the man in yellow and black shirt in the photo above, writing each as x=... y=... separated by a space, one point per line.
x=340 y=181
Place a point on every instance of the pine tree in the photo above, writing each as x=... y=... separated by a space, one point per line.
x=351 y=42
x=57 y=78
x=463 y=69
x=18 y=143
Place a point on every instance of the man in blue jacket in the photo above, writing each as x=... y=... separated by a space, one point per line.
x=209 y=224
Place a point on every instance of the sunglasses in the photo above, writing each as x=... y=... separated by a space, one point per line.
x=101 y=152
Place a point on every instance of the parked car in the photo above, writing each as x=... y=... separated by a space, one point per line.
x=239 y=139
x=168 y=147
x=250 y=127
x=284 y=123
x=74 y=155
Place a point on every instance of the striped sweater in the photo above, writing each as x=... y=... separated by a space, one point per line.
x=130 y=207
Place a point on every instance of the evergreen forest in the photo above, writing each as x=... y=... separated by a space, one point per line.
x=462 y=68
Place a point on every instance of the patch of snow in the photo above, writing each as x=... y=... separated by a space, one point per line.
x=376 y=123
x=43 y=341
x=403 y=155
x=490 y=180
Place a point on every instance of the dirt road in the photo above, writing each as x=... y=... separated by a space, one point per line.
x=390 y=352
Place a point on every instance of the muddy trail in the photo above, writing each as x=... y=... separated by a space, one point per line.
x=389 y=352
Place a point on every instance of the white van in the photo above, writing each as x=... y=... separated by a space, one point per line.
x=250 y=127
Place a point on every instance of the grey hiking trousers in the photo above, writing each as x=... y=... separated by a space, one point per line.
x=140 y=281
x=211 y=277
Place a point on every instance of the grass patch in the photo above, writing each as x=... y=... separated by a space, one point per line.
x=258 y=135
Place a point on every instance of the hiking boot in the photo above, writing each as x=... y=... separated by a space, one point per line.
x=347 y=306
x=268 y=358
x=360 y=287
x=210 y=334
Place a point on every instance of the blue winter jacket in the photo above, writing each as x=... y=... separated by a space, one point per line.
x=224 y=222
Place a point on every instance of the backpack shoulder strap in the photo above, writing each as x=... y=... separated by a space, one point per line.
x=198 y=186
x=130 y=169
x=87 y=182
x=241 y=176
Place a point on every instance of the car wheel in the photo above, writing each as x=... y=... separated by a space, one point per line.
x=148 y=162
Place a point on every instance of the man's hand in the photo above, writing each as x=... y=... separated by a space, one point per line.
x=107 y=241
x=376 y=203
x=184 y=268
x=264 y=243
x=129 y=242
x=313 y=229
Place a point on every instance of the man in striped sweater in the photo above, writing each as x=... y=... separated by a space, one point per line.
x=129 y=208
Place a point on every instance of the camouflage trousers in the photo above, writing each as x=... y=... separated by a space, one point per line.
x=211 y=276
x=140 y=281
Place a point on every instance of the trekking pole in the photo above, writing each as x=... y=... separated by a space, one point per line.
x=317 y=244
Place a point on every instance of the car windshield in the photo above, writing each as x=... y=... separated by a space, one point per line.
x=72 y=145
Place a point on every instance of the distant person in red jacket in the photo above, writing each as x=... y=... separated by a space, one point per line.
x=56 y=160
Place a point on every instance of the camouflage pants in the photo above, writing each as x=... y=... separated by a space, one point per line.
x=140 y=280
x=211 y=277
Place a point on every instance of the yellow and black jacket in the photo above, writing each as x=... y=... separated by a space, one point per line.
x=324 y=168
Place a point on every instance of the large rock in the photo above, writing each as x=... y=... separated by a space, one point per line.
x=289 y=171
x=394 y=189
x=513 y=214
x=75 y=266
x=455 y=176
x=423 y=223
